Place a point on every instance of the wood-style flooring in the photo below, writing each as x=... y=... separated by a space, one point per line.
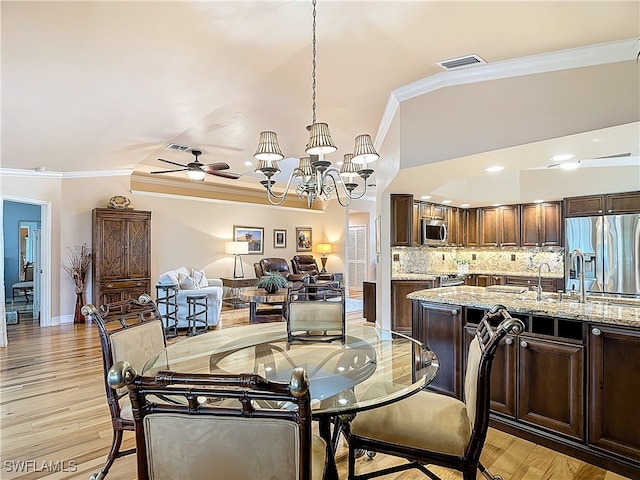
x=55 y=423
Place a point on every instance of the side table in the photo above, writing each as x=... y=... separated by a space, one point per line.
x=236 y=285
x=167 y=302
x=275 y=305
x=197 y=312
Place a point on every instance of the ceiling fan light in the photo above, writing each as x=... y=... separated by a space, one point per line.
x=320 y=141
x=196 y=174
x=569 y=165
x=364 y=151
x=268 y=147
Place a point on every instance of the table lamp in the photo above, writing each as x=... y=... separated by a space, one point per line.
x=323 y=248
x=237 y=249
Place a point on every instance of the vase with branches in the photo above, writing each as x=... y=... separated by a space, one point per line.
x=77 y=266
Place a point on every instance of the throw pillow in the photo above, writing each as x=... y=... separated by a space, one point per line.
x=199 y=278
x=169 y=278
x=186 y=282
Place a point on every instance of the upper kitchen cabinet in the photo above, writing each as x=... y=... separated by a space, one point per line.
x=469 y=224
x=628 y=202
x=433 y=210
x=455 y=236
x=500 y=226
x=402 y=220
x=541 y=224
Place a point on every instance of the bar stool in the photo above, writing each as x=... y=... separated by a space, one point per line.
x=167 y=303
x=196 y=310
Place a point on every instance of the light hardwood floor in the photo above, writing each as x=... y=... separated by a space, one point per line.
x=54 y=415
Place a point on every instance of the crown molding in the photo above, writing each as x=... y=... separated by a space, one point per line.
x=23 y=173
x=591 y=55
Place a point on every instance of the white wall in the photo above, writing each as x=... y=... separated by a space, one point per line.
x=184 y=232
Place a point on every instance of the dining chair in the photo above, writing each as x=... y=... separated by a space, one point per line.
x=430 y=428
x=315 y=315
x=224 y=426
x=131 y=330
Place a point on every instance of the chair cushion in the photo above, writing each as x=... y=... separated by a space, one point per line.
x=315 y=316
x=426 y=420
x=210 y=444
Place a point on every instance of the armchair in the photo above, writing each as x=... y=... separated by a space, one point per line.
x=279 y=265
x=190 y=283
x=307 y=264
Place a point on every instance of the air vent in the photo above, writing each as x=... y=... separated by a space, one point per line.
x=459 y=62
x=176 y=146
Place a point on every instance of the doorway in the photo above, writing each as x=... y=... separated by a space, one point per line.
x=26 y=250
x=357 y=256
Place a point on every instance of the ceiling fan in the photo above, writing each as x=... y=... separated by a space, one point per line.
x=197 y=170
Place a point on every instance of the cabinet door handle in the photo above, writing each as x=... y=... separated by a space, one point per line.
x=524 y=344
x=109 y=285
x=609 y=211
x=454 y=312
x=596 y=331
x=508 y=341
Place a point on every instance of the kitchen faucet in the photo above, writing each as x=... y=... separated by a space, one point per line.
x=539 y=288
x=576 y=261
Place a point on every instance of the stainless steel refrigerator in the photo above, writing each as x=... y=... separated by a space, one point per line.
x=611 y=247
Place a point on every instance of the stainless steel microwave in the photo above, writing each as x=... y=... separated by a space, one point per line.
x=433 y=232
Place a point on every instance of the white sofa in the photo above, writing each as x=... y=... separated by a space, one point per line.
x=192 y=282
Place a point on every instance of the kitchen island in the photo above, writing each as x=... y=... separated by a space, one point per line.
x=570 y=381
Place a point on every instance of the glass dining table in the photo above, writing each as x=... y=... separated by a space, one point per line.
x=373 y=367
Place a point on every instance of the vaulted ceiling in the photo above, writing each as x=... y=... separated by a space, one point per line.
x=103 y=86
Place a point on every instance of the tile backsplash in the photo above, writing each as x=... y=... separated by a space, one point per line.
x=505 y=260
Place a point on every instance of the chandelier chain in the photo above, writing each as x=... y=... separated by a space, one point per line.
x=313 y=64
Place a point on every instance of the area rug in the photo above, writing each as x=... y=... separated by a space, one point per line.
x=353 y=304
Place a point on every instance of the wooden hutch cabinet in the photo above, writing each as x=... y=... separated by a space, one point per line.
x=121 y=261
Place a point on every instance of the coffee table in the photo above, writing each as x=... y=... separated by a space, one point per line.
x=275 y=305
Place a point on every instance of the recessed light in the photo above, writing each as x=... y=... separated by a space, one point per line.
x=496 y=204
x=465 y=205
x=569 y=165
x=538 y=201
x=562 y=157
x=248 y=163
x=425 y=197
x=446 y=201
x=494 y=168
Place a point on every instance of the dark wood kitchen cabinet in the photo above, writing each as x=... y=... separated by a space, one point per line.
x=551 y=385
x=440 y=327
x=401 y=312
x=401 y=220
x=541 y=224
x=610 y=204
x=500 y=226
x=369 y=301
x=455 y=236
x=121 y=260
x=614 y=416
x=469 y=220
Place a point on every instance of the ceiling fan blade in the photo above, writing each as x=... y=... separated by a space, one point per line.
x=171 y=171
x=219 y=173
x=618 y=155
x=172 y=163
x=215 y=166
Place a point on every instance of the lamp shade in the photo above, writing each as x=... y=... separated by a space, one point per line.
x=364 y=151
x=236 y=248
x=320 y=141
x=268 y=147
x=323 y=248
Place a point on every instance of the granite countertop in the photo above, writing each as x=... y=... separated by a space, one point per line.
x=435 y=275
x=596 y=309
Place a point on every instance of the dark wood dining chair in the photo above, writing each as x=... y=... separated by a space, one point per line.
x=431 y=428
x=131 y=330
x=315 y=315
x=224 y=426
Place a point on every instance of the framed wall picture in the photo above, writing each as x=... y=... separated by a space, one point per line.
x=253 y=235
x=279 y=238
x=304 y=242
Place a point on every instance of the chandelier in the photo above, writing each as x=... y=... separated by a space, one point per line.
x=314 y=176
